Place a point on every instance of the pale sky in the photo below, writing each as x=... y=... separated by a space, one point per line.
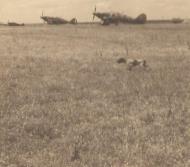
x=29 y=11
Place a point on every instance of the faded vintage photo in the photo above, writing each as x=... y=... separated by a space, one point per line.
x=95 y=83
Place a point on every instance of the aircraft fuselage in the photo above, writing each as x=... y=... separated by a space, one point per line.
x=115 y=18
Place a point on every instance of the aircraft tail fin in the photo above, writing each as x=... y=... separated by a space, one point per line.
x=142 y=18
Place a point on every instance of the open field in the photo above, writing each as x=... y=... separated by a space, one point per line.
x=65 y=102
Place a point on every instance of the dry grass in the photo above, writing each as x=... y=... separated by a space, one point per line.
x=66 y=102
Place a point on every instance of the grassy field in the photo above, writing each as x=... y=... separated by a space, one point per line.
x=65 y=102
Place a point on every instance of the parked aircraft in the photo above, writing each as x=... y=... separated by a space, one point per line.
x=15 y=24
x=116 y=18
x=57 y=20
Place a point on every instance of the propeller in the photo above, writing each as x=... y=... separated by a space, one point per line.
x=95 y=9
x=43 y=16
x=94 y=13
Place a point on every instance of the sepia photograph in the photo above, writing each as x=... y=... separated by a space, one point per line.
x=95 y=83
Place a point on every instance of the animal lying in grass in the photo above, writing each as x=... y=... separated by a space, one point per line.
x=131 y=63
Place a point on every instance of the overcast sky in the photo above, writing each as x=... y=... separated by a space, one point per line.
x=30 y=10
